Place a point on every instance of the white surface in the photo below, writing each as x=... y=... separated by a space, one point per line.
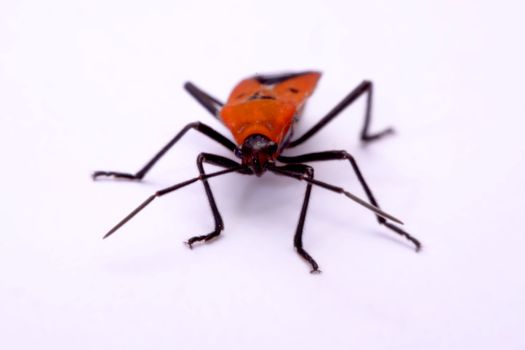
x=98 y=85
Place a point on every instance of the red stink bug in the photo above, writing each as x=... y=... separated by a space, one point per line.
x=260 y=113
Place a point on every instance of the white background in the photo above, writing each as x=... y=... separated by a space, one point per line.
x=98 y=85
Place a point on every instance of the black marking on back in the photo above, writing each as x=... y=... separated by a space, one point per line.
x=259 y=96
x=278 y=78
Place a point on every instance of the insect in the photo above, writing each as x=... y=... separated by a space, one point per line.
x=260 y=113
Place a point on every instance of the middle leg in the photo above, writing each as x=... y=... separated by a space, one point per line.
x=201 y=127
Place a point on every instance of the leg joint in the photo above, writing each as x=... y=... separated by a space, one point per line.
x=309 y=171
x=201 y=158
x=367 y=84
x=345 y=155
x=198 y=126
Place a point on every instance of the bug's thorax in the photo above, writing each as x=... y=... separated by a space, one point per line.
x=271 y=118
x=257 y=152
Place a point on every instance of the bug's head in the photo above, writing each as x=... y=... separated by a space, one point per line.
x=257 y=152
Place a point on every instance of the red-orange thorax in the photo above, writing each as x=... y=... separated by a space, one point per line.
x=267 y=106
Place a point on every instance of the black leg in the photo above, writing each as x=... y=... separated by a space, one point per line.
x=203 y=128
x=336 y=155
x=211 y=104
x=223 y=162
x=298 y=237
x=237 y=168
x=366 y=87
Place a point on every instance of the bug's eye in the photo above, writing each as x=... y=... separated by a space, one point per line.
x=272 y=148
x=238 y=153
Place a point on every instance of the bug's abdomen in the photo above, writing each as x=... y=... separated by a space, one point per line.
x=267 y=117
x=267 y=105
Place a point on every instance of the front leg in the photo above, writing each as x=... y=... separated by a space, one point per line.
x=343 y=155
x=308 y=171
x=219 y=225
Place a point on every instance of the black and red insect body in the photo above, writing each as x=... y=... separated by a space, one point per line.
x=260 y=113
